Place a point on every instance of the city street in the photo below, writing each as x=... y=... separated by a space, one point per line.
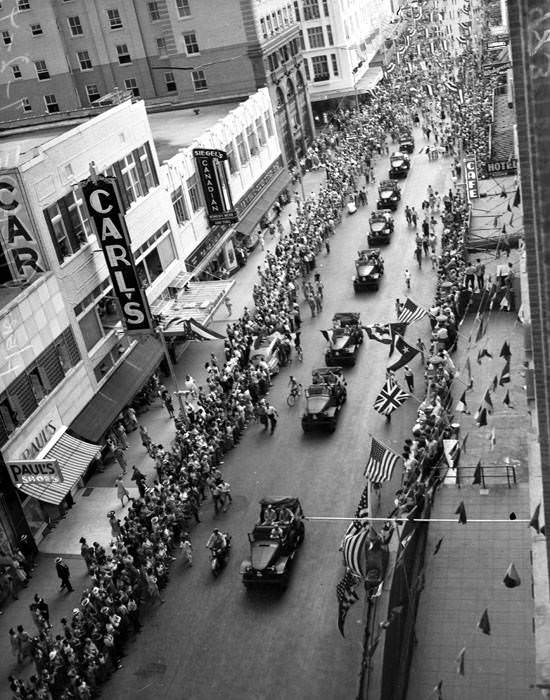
x=213 y=637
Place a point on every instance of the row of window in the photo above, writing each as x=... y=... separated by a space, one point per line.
x=316 y=36
x=320 y=68
x=276 y=20
x=67 y=219
x=29 y=389
x=311 y=9
x=283 y=54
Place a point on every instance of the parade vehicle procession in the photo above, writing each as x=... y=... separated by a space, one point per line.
x=381 y=227
x=389 y=194
x=325 y=397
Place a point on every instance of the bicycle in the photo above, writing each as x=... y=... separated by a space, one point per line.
x=294 y=394
x=299 y=353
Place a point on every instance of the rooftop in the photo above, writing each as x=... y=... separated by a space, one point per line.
x=177 y=129
x=16 y=144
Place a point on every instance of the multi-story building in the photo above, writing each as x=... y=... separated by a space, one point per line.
x=66 y=55
x=67 y=368
x=339 y=39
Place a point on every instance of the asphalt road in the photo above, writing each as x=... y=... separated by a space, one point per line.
x=215 y=639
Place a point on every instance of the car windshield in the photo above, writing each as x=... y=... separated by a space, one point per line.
x=378 y=224
x=364 y=270
x=397 y=160
x=318 y=402
x=386 y=193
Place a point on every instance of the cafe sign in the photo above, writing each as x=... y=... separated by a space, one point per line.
x=470 y=176
x=36 y=471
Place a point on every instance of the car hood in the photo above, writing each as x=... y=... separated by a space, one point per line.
x=397 y=162
x=365 y=270
x=378 y=225
x=317 y=404
x=263 y=553
x=386 y=194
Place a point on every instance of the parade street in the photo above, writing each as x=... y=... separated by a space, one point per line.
x=214 y=638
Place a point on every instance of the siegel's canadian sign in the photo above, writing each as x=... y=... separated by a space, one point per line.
x=470 y=176
x=37 y=471
x=105 y=210
x=209 y=163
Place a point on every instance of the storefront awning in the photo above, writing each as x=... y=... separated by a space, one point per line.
x=199 y=302
x=250 y=220
x=73 y=457
x=370 y=79
x=118 y=391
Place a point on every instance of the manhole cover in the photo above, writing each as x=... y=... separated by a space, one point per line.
x=151 y=669
x=87 y=492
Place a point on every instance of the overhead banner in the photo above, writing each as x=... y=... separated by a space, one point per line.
x=36 y=471
x=105 y=209
x=209 y=163
x=470 y=175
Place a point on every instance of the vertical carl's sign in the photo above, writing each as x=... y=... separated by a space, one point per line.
x=106 y=212
x=209 y=163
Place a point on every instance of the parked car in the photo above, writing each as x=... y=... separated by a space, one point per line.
x=324 y=398
x=266 y=348
x=399 y=165
x=369 y=268
x=345 y=339
x=389 y=194
x=381 y=227
x=406 y=143
x=273 y=545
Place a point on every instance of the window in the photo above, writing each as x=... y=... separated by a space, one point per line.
x=325 y=8
x=51 y=104
x=154 y=11
x=123 y=54
x=194 y=193
x=84 y=60
x=23 y=5
x=302 y=42
x=77 y=216
x=306 y=67
x=68 y=224
x=131 y=84
x=191 y=44
x=316 y=37
x=170 y=82
x=252 y=140
x=114 y=19
x=178 y=202
x=233 y=165
x=263 y=28
x=146 y=172
x=39 y=383
x=16 y=71
x=294 y=47
x=199 y=81
x=36 y=29
x=25 y=103
x=183 y=8
x=91 y=329
x=242 y=150
x=92 y=92
x=329 y=35
x=161 y=47
x=284 y=53
x=297 y=10
x=268 y=124
x=334 y=64
x=130 y=177
x=6 y=38
x=42 y=70
x=320 y=68
x=311 y=9
x=261 y=131
x=272 y=61
x=157 y=258
x=75 y=26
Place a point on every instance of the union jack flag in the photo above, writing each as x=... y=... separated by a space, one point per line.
x=390 y=397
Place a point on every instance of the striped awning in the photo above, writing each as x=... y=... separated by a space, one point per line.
x=73 y=456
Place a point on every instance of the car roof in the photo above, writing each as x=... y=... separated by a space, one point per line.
x=388 y=183
x=344 y=315
x=324 y=371
x=369 y=252
x=289 y=502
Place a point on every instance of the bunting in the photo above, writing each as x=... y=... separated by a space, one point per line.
x=462 y=406
x=505 y=374
x=484 y=624
x=461 y=512
x=346 y=596
x=511 y=577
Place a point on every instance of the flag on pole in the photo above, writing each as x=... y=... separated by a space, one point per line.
x=481 y=417
x=406 y=351
x=534 y=522
x=451 y=450
x=462 y=406
x=511 y=577
x=478 y=475
x=327 y=336
x=488 y=402
x=484 y=624
x=461 y=512
x=353 y=550
x=460 y=661
x=505 y=374
x=363 y=506
x=381 y=462
x=482 y=329
x=505 y=351
x=411 y=312
x=379 y=332
x=191 y=329
x=517 y=198
x=346 y=597
x=506 y=399
x=396 y=330
x=390 y=398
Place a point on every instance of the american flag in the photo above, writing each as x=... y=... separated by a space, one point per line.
x=390 y=397
x=346 y=596
x=381 y=462
x=363 y=507
x=411 y=312
x=353 y=550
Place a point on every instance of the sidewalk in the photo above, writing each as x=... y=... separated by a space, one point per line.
x=466 y=576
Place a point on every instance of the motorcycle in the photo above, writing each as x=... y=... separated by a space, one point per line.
x=220 y=555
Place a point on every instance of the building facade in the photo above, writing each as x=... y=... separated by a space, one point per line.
x=67 y=367
x=69 y=55
x=339 y=39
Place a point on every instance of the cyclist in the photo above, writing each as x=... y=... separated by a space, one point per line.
x=294 y=386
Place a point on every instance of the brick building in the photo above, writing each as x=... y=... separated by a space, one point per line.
x=66 y=55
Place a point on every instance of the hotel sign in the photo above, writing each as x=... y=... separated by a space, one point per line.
x=103 y=202
x=209 y=163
